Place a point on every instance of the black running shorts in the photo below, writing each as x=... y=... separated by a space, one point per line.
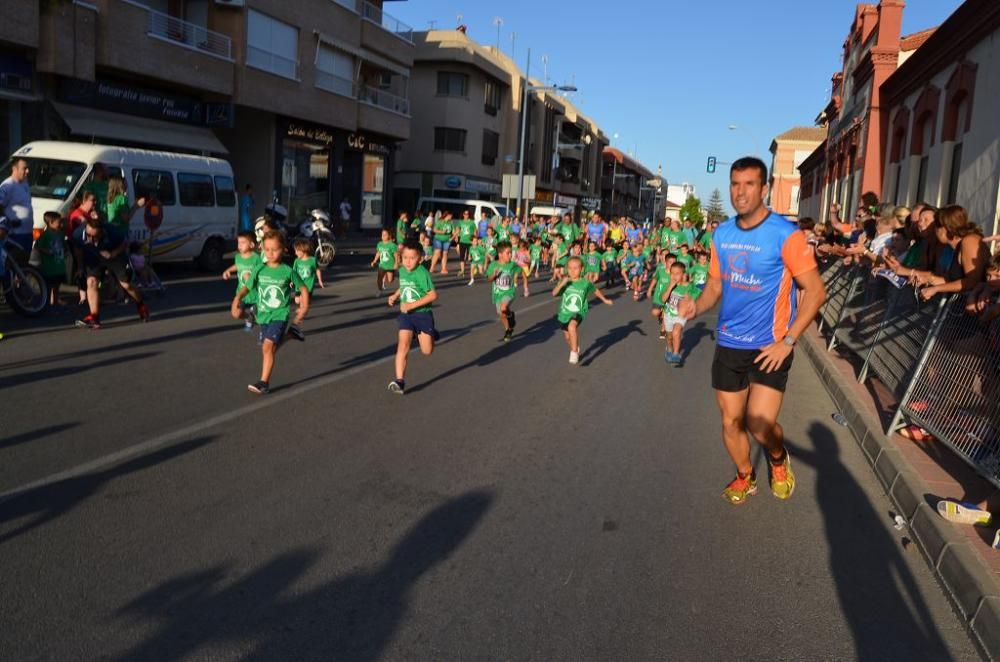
x=733 y=370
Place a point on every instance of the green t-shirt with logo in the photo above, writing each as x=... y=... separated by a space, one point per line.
x=535 y=251
x=592 y=262
x=53 y=242
x=245 y=266
x=575 y=300
x=677 y=295
x=306 y=270
x=386 y=251
x=503 y=232
x=273 y=286
x=401 y=227
x=698 y=273
x=562 y=254
x=442 y=230
x=478 y=254
x=504 y=284
x=673 y=239
x=568 y=231
x=414 y=285
x=686 y=260
x=466 y=230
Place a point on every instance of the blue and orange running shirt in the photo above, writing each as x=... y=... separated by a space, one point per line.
x=756 y=268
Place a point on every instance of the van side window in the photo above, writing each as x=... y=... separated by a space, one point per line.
x=225 y=191
x=195 y=190
x=158 y=184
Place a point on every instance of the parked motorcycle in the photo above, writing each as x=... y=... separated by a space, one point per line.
x=316 y=228
x=21 y=285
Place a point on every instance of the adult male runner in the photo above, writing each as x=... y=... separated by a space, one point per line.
x=758 y=259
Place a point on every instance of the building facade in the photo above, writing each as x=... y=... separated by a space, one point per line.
x=307 y=99
x=855 y=115
x=788 y=151
x=942 y=107
x=624 y=191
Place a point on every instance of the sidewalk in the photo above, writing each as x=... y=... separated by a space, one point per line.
x=916 y=476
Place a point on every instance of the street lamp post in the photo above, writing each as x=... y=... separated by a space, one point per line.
x=528 y=88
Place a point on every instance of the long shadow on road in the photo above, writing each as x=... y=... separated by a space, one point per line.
x=51 y=501
x=878 y=594
x=605 y=342
x=351 y=618
x=34 y=435
x=536 y=334
x=53 y=373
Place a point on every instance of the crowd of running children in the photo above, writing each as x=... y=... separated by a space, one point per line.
x=664 y=263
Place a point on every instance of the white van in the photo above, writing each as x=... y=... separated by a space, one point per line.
x=196 y=194
x=457 y=206
x=546 y=212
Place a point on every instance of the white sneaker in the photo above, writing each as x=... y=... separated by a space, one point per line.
x=574 y=357
x=471 y=281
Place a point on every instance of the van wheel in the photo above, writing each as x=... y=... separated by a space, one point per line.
x=212 y=256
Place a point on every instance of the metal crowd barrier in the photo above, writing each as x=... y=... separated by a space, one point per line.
x=941 y=364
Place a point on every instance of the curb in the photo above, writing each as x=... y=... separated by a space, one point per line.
x=973 y=590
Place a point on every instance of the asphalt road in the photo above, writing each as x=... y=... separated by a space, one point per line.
x=509 y=507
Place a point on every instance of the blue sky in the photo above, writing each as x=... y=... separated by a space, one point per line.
x=670 y=77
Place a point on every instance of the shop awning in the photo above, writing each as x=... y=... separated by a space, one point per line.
x=103 y=124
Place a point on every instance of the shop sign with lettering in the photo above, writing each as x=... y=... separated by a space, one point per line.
x=315 y=134
x=362 y=143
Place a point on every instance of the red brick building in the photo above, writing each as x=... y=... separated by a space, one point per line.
x=788 y=150
x=850 y=160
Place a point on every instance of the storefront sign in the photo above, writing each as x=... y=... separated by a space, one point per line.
x=132 y=100
x=478 y=186
x=453 y=181
x=543 y=196
x=363 y=143
x=315 y=134
x=591 y=203
x=565 y=200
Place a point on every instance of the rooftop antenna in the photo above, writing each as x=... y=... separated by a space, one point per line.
x=458 y=19
x=513 y=40
x=433 y=24
x=545 y=70
x=497 y=21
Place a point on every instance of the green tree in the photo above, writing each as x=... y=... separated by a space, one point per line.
x=715 y=210
x=691 y=210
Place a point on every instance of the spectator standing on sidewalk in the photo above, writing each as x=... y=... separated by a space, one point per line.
x=15 y=205
x=119 y=211
x=345 y=217
x=99 y=248
x=758 y=259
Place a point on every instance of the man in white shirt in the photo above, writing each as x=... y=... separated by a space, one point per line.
x=345 y=216
x=15 y=204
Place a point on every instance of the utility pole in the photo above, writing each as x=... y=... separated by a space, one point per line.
x=524 y=124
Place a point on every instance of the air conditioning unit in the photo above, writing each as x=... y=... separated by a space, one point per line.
x=231 y=3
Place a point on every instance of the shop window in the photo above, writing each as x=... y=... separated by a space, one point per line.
x=225 y=192
x=452 y=84
x=493 y=96
x=372 y=212
x=449 y=140
x=195 y=190
x=155 y=184
x=305 y=177
x=272 y=45
x=491 y=146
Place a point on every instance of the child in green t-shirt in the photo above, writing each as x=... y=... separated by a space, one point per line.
x=305 y=265
x=503 y=274
x=387 y=259
x=592 y=263
x=560 y=257
x=272 y=282
x=609 y=264
x=416 y=295
x=575 y=291
x=477 y=255
x=535 y=250
x=245 y=262
x=698 y=272
x=52 y=247
x=677 y=290
x=660 y=282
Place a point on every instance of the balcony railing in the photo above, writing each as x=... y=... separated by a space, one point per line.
x=377 y=15
x=178 y=31
x=383 y=99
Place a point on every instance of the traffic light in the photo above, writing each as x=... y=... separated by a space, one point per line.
x=711 y=164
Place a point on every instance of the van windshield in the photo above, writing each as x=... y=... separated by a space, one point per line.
x=502 y=209
x=50 y=178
